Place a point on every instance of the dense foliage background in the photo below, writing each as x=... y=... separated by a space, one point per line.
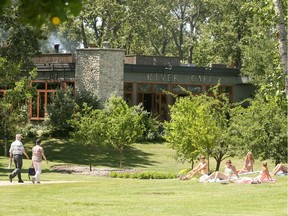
x=249 y=35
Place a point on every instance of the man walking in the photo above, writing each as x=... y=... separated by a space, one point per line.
x=16 y=152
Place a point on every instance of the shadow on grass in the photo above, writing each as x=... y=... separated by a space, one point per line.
x=62 y=151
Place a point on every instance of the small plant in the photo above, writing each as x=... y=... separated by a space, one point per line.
x=184 y=171
x=144 y=175
x=113 y=175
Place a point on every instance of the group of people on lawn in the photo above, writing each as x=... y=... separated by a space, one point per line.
x=230 y=171
x=17 y=151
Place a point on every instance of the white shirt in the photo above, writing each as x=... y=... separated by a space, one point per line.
x=16 y=148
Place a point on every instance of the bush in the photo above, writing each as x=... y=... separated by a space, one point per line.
x=143 y=175
x=89 y=98
x=29 y=130
x=60 y=112
x=184 y=171
x=153 y=128
x=113 y=175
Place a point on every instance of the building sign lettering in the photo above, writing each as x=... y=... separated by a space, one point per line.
x=162 y=77
x=201 y=79
x=175 y=78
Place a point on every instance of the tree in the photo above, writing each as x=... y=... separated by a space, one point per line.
x=262 y=129
x=124 y=124
x=282 y=38
x=18 y=42
x=186 y=17
x=199 y=125
x=223 y=31
x=61 y=111
x=89 y=130
x=13 y=102
x=179 y=131
x=104 y=21
x=39 y=12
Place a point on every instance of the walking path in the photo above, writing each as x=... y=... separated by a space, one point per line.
x=27 y=182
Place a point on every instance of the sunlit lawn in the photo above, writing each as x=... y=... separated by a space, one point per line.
x=90 y=195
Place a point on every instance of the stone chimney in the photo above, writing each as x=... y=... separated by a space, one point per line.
x=100 y=71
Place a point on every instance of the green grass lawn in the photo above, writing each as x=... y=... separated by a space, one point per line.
x=92 y=195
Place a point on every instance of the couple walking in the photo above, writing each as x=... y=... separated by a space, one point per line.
x=17 y=151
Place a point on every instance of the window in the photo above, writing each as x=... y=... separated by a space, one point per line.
x=46 y=91
x=180 y=89
x=128 y=93
x=2 y=93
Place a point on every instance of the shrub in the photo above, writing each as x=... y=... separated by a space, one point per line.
x=60 y=112
x=184 y=171
x=152 y=128
x=113 y=175
x=28 y=130
x=143 y=175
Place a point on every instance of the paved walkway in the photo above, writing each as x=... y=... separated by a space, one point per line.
x=27 y=182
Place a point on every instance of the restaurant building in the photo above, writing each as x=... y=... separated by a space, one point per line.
x=138 y=79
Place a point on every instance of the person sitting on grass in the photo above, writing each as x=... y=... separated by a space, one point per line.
x=229 y=171
x=279 y=168
x=248 y=164
x=201 y=167
x=264 y=176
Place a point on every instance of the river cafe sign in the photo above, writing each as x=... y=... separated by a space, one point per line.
x=176 y=78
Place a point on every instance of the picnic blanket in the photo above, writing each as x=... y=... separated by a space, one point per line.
x=281 y=173
x=241 y=180
x=249 y=173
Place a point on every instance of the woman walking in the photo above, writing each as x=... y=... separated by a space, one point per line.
x=37 y=154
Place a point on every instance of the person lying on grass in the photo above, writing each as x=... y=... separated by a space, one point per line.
x=201 y=167
x=229 y=171
x=279 y=168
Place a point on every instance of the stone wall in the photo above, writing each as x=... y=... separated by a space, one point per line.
x=100 y=72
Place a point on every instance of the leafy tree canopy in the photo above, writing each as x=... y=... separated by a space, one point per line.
x=124 y=124
x=199 y=125
x=39 y=12
x=262 y=129
x=13 y=109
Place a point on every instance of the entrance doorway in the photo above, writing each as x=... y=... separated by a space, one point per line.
x=154 y=103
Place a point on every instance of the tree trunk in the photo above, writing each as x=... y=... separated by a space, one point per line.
x=90 y=158
x=5 y=134
x=5 y=147
x=192 y=163
x=282 y=38
x=83 y=35
x=218 y=162
x=190 y=58
x=121 y=158
x=238 y=51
